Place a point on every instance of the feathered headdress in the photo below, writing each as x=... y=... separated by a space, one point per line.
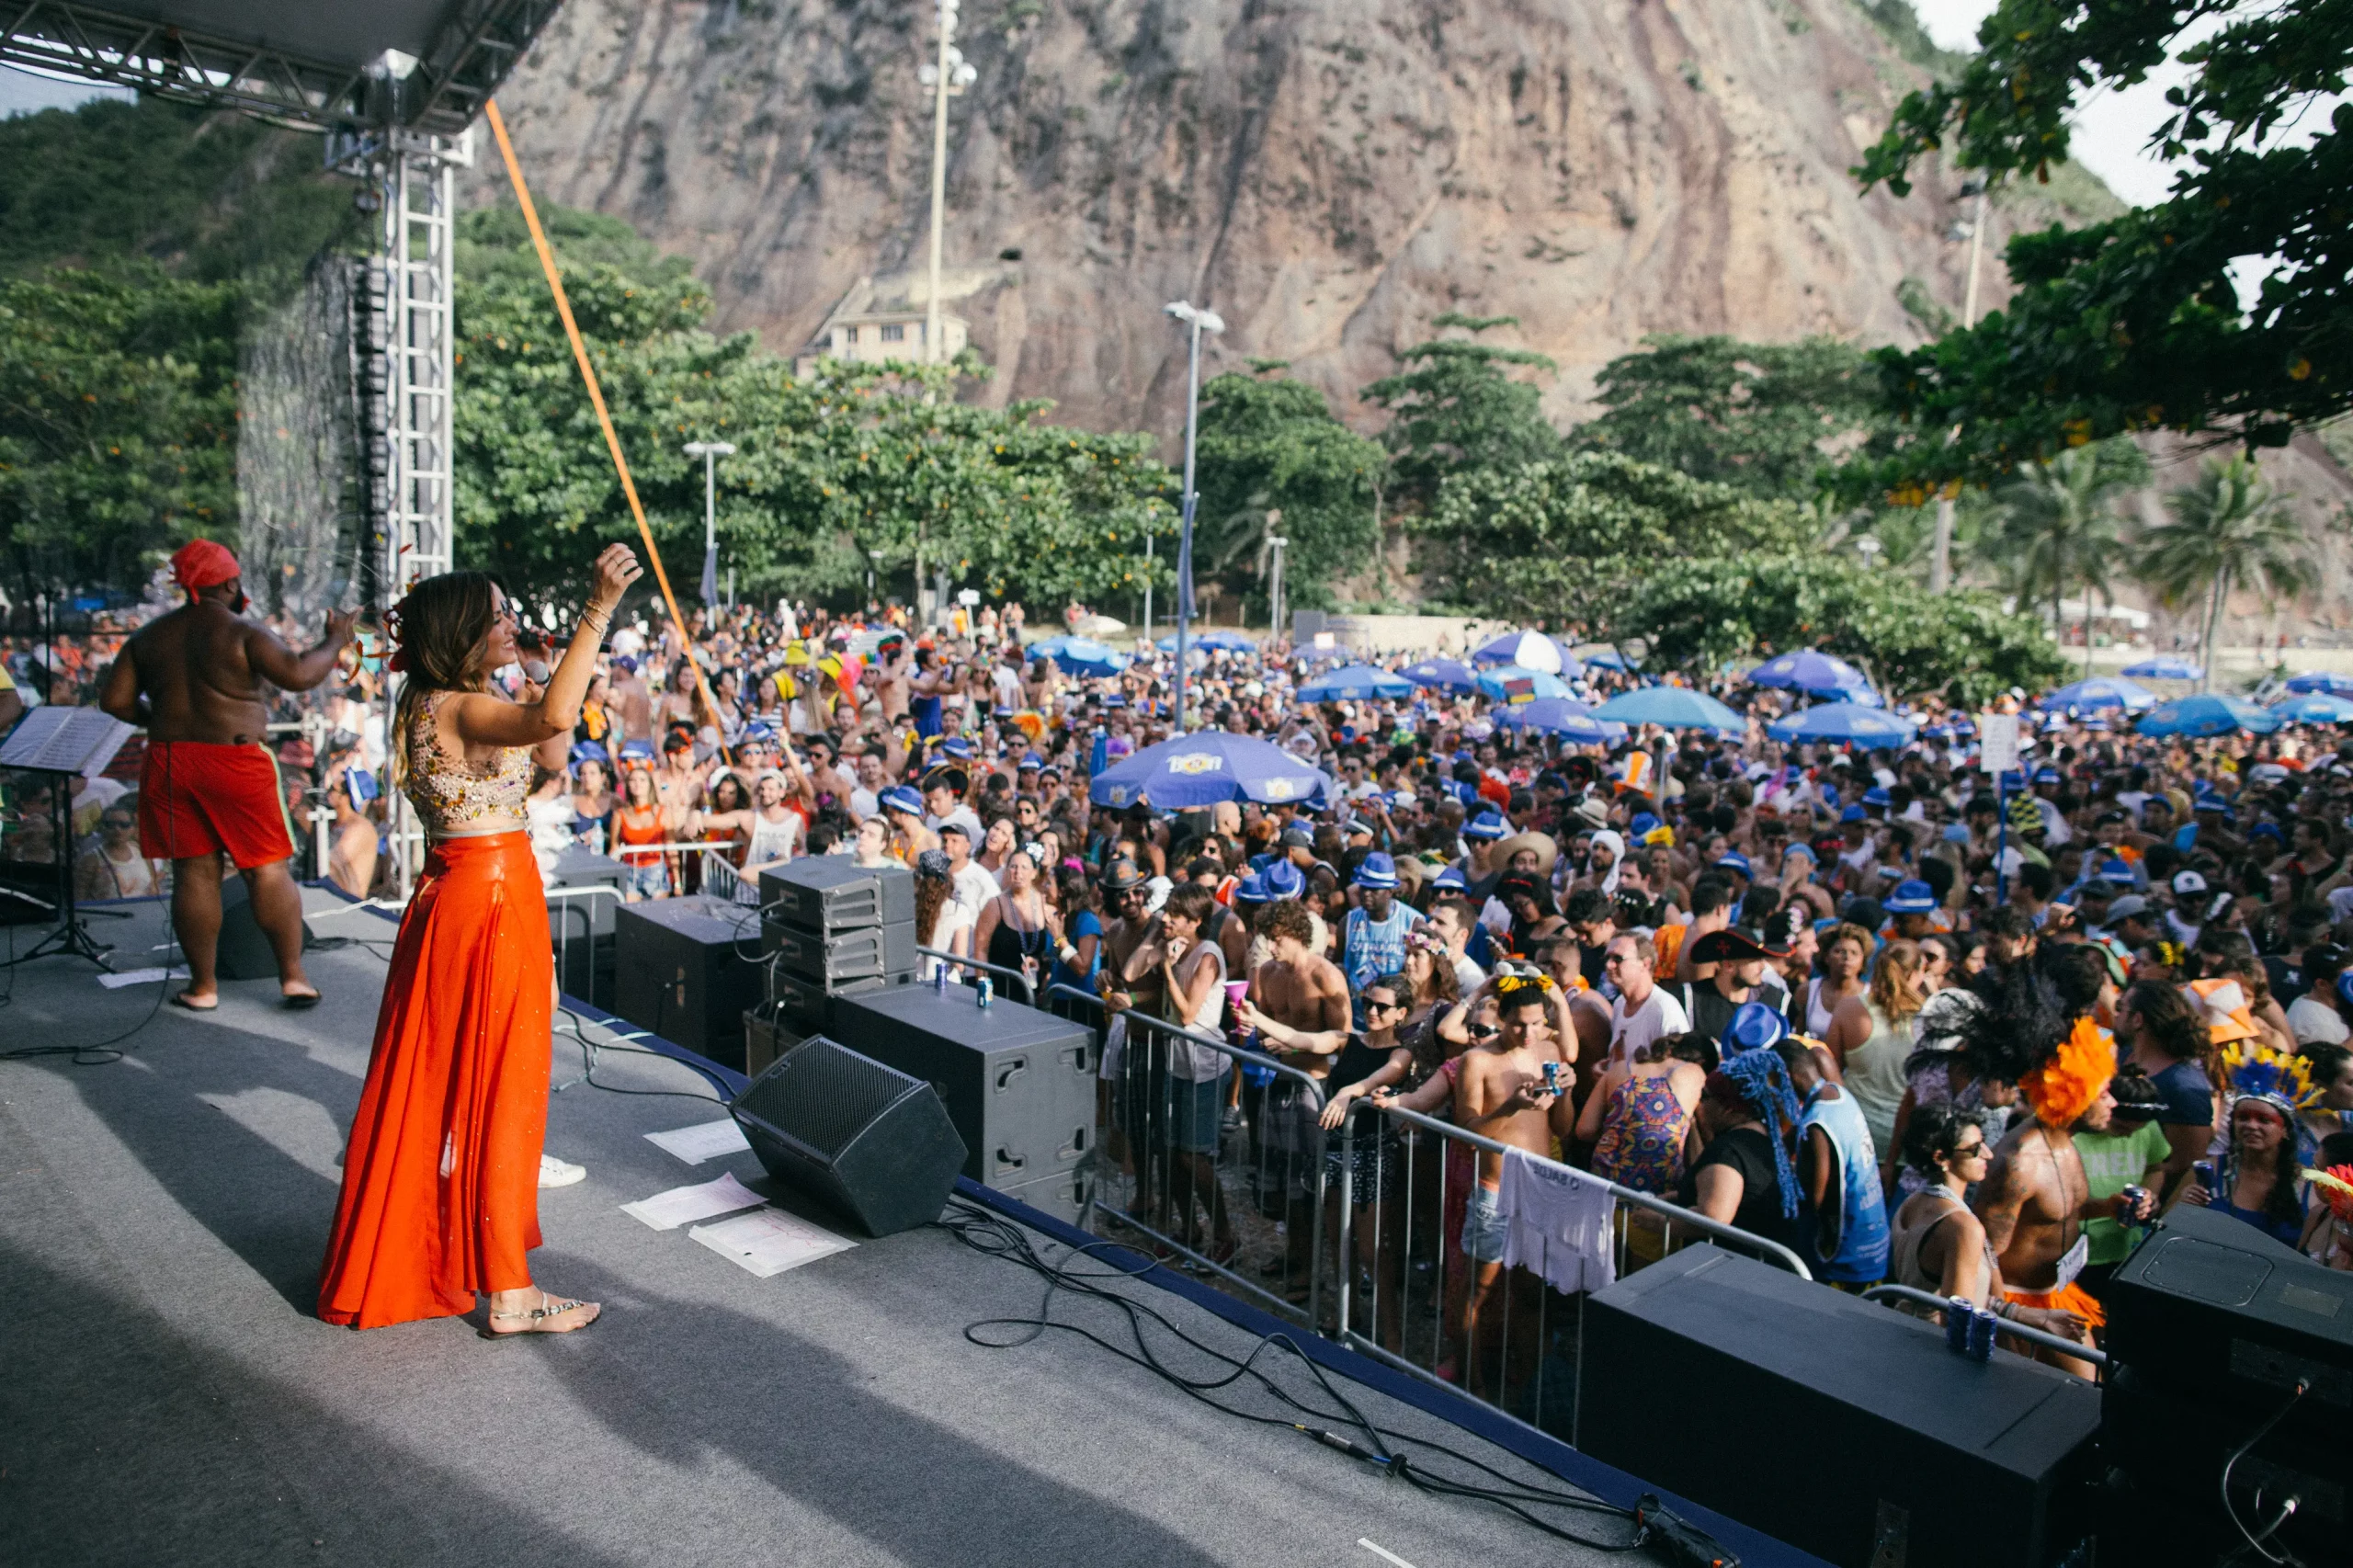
x=2335 y=1185
x=1764 y=1081
x=2064 y=1087
x=2263 y=1072
x=2223 y=1006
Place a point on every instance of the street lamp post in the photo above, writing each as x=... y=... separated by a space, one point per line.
x=709 y=452
x=1198 y=321
x=949 y=76
x=1276 y=544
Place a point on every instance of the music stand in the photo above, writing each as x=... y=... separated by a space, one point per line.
x=65 y=742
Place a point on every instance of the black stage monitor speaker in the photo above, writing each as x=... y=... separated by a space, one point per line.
x=2211 y=1305
x=244 y=952
x=680 y=974
x=1847 y=1428
x=829 y=892
x=866 y=1140
x=1019 y=1083
x=582 y=928
x=2213 y=1325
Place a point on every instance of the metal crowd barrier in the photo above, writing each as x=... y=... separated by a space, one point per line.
x=1229 y=1210
x=1403 y=1240
x=2005 y=1330
x=1356 y=1232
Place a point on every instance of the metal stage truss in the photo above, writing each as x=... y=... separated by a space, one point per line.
x=420 y=65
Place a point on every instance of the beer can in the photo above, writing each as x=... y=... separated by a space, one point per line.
x=2202 y=1173
x=1959 y=1313
x=984 y=989
x=2132 y=1196
x=1981 y=1335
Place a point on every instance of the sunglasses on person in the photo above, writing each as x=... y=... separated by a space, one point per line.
x=119 y=824
x=1976 y=1151
x=1374 y=1004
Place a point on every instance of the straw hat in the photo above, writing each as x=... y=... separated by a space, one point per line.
x=1547 y=851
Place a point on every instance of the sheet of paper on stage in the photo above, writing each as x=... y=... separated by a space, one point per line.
x=139 y=977
x=684 y=1205
x=696 y=1145
x=768 y=1241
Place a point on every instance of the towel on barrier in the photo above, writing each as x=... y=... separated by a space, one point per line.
x=1557 y=1224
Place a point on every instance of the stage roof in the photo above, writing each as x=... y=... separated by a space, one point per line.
x=423 y=66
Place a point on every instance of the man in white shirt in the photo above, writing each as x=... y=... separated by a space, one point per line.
x=973 y=885
x=1643 y=1012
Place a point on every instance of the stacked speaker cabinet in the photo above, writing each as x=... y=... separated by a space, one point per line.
x=829 y=928
x=1019 y=1083
x=685 y=970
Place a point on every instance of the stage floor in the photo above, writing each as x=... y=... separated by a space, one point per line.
x=166 y=1395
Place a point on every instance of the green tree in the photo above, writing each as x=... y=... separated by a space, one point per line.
x=1566 y=541
x=2134 y=323
x=851 y=472
x=209 y=194
x=1756 y=415
x=118 y=422
x=1698 y=614
x=2229 y=528
x=1271 y=448
x=1454 y=408
x=2055 y=526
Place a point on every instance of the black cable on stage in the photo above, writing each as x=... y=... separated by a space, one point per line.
x=588 y=1052
x=994 y=1236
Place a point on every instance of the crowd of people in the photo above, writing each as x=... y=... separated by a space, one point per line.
x=1914 y=1022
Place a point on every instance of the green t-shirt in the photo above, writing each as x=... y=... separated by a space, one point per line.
x=2112 y=1162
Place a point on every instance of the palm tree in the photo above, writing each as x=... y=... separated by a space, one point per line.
x=2229 y=529
x=2057 y=526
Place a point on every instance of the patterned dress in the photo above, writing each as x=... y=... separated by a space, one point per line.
x=1642 y=1137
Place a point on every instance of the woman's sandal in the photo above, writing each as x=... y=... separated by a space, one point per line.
x=548 y=1307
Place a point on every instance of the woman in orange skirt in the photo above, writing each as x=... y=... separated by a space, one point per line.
x=440 y=1180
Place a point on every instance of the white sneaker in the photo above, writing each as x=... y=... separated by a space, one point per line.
x=560 y=1173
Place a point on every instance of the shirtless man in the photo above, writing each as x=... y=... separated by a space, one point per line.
x=1501 y=1091
x=194 y=676
x=2035 y=1196
x=1303 y=990
x=634 y=703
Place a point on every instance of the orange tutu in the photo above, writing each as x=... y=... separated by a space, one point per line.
x=442 y=1178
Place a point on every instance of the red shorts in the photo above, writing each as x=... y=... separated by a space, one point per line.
x=196 y=799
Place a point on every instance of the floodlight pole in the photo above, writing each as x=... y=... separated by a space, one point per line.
x=1198 y=321
x=711 y=452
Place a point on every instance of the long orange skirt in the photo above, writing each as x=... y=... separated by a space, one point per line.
x=442 y=1178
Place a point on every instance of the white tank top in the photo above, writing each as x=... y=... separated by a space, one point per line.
x=772 y=840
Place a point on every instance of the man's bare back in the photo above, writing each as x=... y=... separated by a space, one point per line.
x=196 y=674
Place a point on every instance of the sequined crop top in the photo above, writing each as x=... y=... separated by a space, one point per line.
x=455 y=797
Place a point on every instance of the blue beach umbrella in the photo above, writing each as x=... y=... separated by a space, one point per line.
x=2096 y=695
x=1081 y=656
x=1608 y=659
x=2321 y=680
x=1202 y=768
x=1354 y=683
x=1844 y=721
x=2208 y=714
x=1561 y=716
x=1443 y=675
x=1671 y=707
x=2167 y=667
x=1809 y=671
x=2313 y=708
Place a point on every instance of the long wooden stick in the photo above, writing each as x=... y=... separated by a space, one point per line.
x=597 y=399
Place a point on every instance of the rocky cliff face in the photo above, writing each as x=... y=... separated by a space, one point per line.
x=1330 y=175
